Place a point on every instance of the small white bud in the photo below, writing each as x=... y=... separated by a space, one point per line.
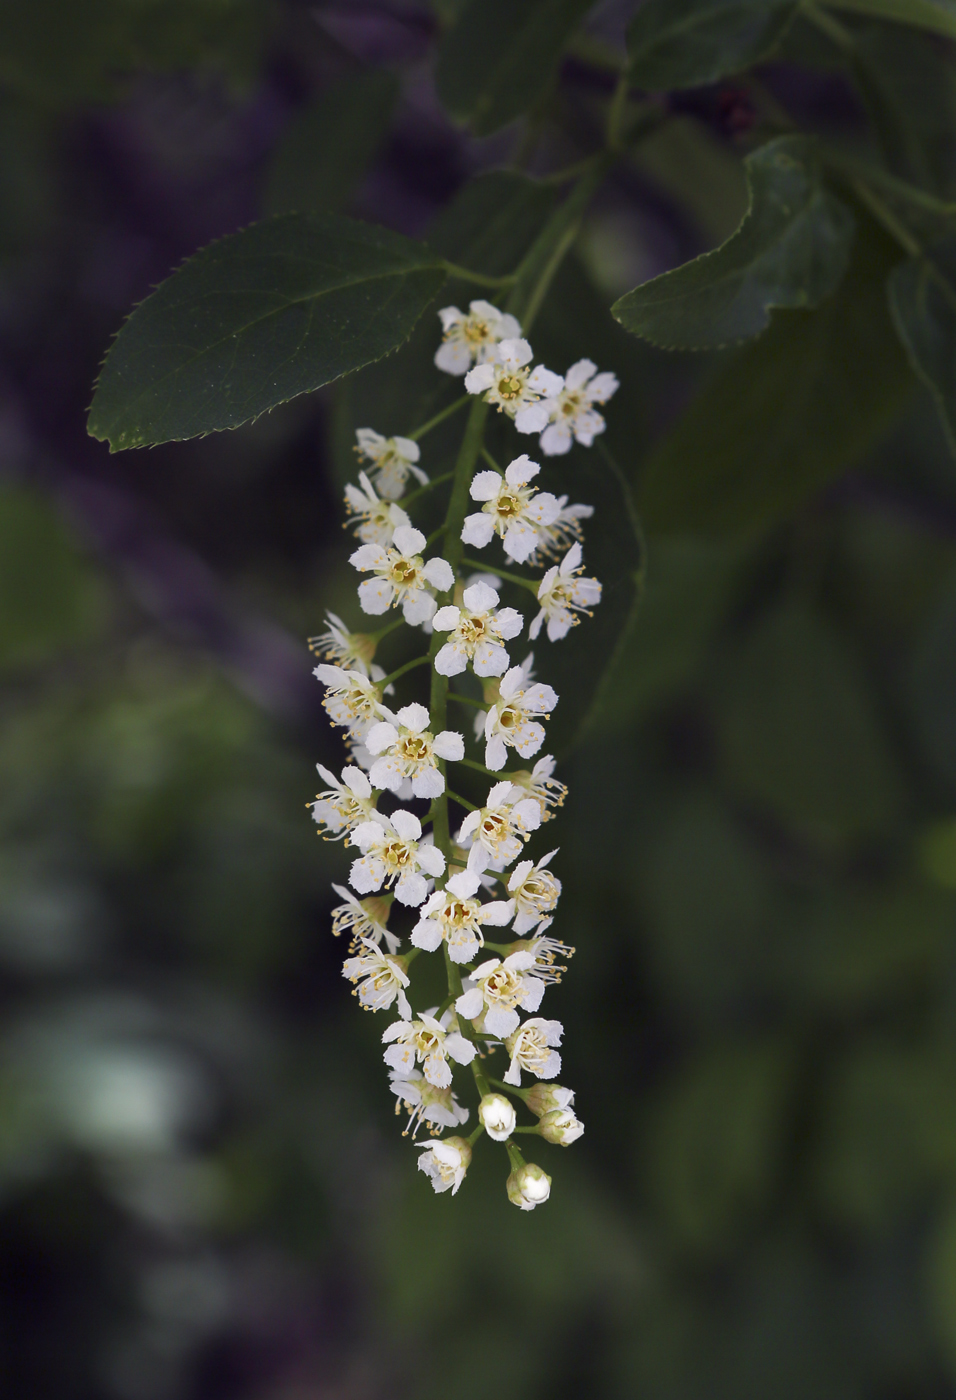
x=445 y=1163
x=542 y=1098
x=528 y=1186
x=497 y=1116
x=561 y=1126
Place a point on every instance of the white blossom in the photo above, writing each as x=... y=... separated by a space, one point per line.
x=546 y=951
x=477 y=633
x=560 y=1126
x=514 y=387
x=379 y=978
x=344 y=805
x=376 y=518
x=534 y=890
x=528 y=1186
x=406 y=752
x=571 y=412
x=439 y=1108
x=561 y=532
x=545 y=1098
x=353 y=651
x=401 y=576
x=364 y=920
x=445 y=1162
x=351 y=698
x=454 y=916
x=393 y=458
x=562 y=593
x=498 y=831
x=429 y=1043
x=496 y=988
x=531 y=1048
x=498 y=1117
x=472 y=338
x=511 y=509
x=540 y=785
x=393 y=853
x=510 y=723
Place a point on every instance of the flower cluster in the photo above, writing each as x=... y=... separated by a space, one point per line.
x=461 y=883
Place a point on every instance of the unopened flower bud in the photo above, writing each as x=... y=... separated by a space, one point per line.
x=560 y=1125
x=544 y=1098
x=497 y=1116
x=528 y=1186
x=445 y=1163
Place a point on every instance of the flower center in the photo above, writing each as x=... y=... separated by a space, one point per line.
x=571 y=406
x=472 y=629
x=415 y=747
x=403 y=572
x=509 y=386
x=504 y=987
x=476 y=332
x=509 y=718
x=396 y=855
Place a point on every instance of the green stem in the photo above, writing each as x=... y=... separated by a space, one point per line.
x=906 y=239
x=531 y=583
x=615 y=112
x=433 y=423
x=873 y=175
x=514 y=1156
x=830 y=26
x=536 y=1129
x=435 y=535
x=482 y=279
x=423 y=490
x=475 y=1136
x=462 y=801
x=466 y=700
x=384 y=631
x=480 y=768
x=491 y=461
x=409 y=666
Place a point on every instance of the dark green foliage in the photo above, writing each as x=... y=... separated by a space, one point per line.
x=938 y=16
x=923 y=305
x=686 y=43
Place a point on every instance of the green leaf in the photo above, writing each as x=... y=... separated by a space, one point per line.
x=686 y=43
x=820 y=390
x=798 y=733
x=327 y=148
x=251 y=321
x=923 y=306
x=791 y=250
x=500 y=56
x=936 y=15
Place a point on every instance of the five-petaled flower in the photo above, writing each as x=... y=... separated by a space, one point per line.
x=429 y=1043
x=401 y=576
x=571 y=412
x=511 y=509
x=562 y=593
x=407 y=753
x=497 y=988
x=560 y=532
x=393 y=853
x=498 y=831
x=437 y=1107
x=514 y=387
x=346 y=804
x=364 y=920
x=455 y=916
x=351 y=698
x=376 y=519
x=534 y=890
x=510 y=722
x=353 y=651
x=477 y=633
x=380 y=978
x=541 y=784
x=392 y=458
x=472 y=338
x=531 y=1048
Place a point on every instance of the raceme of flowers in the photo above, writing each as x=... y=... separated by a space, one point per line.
x=469 y=892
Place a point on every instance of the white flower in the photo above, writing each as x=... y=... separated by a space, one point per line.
x=561 y=532
x=445 y=1162
x=429 y=1043
x=406 y=751
x=572 y=411
x=394 y=851
x=562 y=593
x=498 y=1117
x=539 y=784
x=511 y=509
x=351 y=699
x=401 y=576
x=545 y=1098
x=535 y=892
x=453 y=914
x=393 y=459
x=560 y=1126
x=345 y=804
x=437 y=1107
x=376 y=519
x=498 y=831
x=353 y=651
x=364 y=920
x=528 y=1186
x=381 y=980
x=497 y=988
x=472 y=339
x=531 y=1049
x=510 y=723
x=477 y=633
x=514 y=388
x=545 y=952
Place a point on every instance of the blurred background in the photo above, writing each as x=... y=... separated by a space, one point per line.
x=203 y=1192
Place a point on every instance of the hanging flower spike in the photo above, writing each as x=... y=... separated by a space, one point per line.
x=541 y=785
x=376 y=519
x=454 y=916
x=510 y=722
x=408 y=753
x=437 y=1107
x=364 y=920
x=429 y=1043
x=534 y=890
x=477 y=633
x=512 y=510
x=445 y=1162
x=392 y=458
x=472 y=339
x=572 y=413
x=498 y=831
x=351 y=699
x=531 y=1048
x=402 y=577
x=345 y=805
x=514 y=388
x=380 y=980
x=562 y=593
x=393 y=853
x=561 y=532
x=497 y=988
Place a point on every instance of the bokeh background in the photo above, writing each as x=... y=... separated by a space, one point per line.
x=203 y=1192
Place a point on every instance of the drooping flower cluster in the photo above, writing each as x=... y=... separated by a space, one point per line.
x=461 y=882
